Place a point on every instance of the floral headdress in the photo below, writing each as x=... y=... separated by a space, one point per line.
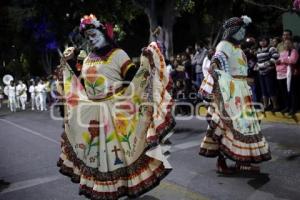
x=90 y=21
x=232 y=25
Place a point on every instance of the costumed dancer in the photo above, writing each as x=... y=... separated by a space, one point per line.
x=12 y=96
x=32 y=94
x=114 y=133
x=22 y=94
x=234 y=131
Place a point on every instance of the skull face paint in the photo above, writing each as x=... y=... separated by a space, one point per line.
x=240 y=35
x=96 y=38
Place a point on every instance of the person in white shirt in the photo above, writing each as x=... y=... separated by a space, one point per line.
x=206 y=62
x=17 y=98
x=32 y=94
x=1 y=96
x=37 y=97
x=6 y=94
x=42 y=92
x=12 y=97
x=22 y=94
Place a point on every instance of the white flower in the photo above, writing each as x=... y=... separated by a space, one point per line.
x=247 y=20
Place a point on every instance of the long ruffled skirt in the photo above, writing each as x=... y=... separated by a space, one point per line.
x=234 y=128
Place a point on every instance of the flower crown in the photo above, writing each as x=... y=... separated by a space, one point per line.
x=89 y=20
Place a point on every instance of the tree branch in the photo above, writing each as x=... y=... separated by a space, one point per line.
x=141 y=4
x=266 y=5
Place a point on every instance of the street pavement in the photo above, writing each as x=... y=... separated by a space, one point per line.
x=30 y=146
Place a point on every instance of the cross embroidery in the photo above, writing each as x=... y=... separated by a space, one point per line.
x=115 y=150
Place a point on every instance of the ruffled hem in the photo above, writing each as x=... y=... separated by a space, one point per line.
x=247 y=159
x=100 y=178
x=234 y=157
x=212 y=145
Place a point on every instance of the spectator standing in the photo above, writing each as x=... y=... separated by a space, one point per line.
x=197 y=62
x=275 y=41
x=207 y=61
x=286 y=35
x=253 y=74
x=266 y=59
x=186 y=62
x=296 y=5
x=287 y=76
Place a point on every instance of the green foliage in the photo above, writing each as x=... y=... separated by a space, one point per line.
x=185 y=5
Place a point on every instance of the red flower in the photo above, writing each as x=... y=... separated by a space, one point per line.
x=109 y=30
x=127 y=106
x=94 y=129
x=237 y=101
x=72 y=99
x=247 y=99
x=226 y=106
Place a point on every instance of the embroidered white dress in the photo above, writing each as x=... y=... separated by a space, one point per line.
x=234 y=127
x=113 y=138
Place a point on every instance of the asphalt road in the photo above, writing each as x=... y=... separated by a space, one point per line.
x=29 y=149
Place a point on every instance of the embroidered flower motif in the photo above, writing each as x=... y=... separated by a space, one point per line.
x=91 y=74
x=237 y=101
x=88 y=137
x=72 y=99
x=128 y=107
x=81 y=146
x=248 y=99
x=226 y=105
x=94 y=129
x=121 y=123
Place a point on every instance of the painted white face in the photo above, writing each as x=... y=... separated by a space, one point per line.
x=240 y=35
x=96 y=38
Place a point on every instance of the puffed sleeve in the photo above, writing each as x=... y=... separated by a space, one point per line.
x=124 y=62
x=225 y=47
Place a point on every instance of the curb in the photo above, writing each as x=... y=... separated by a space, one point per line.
x=269 y=117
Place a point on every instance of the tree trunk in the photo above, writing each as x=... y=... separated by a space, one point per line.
x=46 y=62
x=217 y=38
x=169 y=16
x=152 y=17
x=168 y=40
